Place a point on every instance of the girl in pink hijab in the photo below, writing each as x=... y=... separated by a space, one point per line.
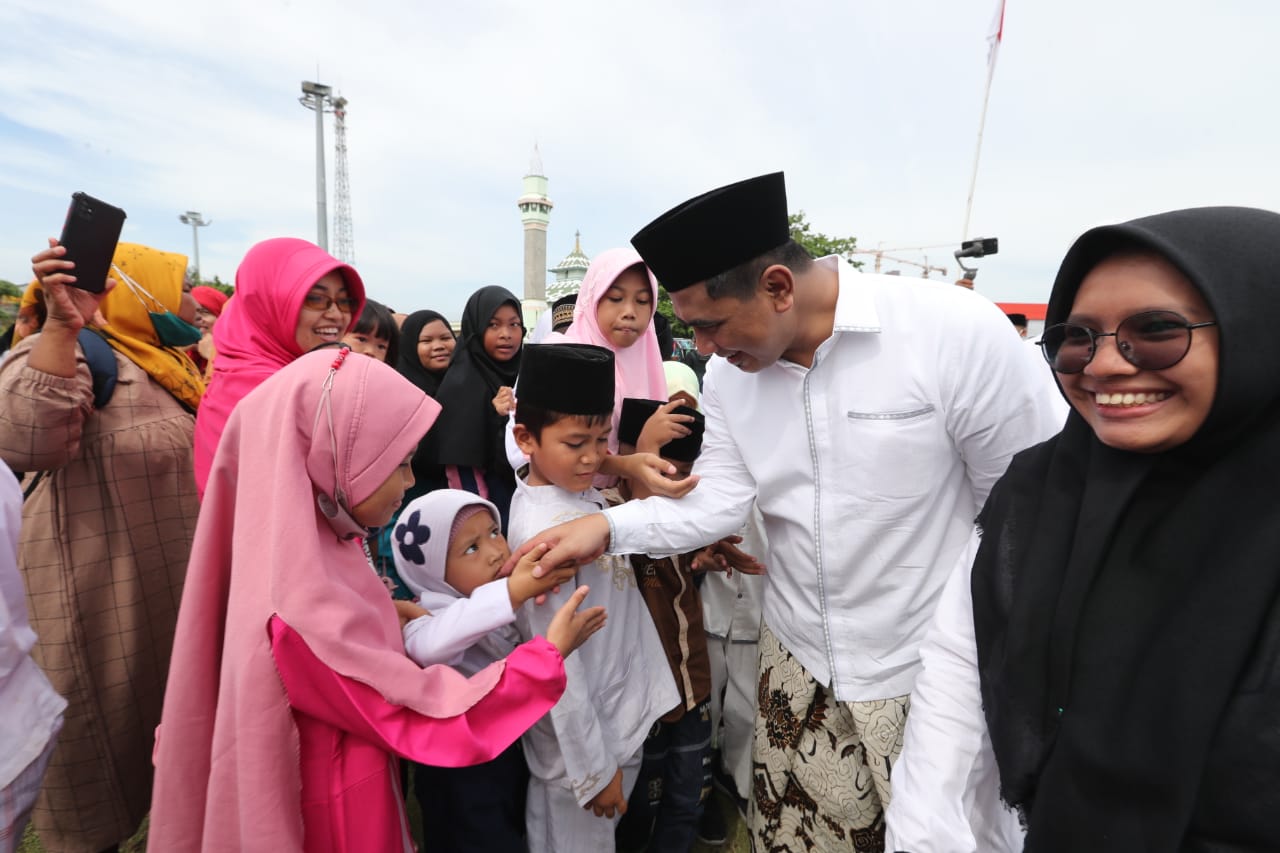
x=289 y=693
x=615 y=310
x=291 y=297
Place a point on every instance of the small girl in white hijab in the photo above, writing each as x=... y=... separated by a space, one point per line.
x=449 y=550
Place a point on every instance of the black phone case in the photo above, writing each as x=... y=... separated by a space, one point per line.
x=90 y=235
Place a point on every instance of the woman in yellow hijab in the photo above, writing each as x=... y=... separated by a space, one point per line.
x=107 y=527
x=124 y=316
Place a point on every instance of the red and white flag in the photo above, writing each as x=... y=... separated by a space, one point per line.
x=994 y=36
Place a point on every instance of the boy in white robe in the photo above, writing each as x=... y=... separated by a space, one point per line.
x=585 y=754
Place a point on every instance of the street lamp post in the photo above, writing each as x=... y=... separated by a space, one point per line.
x=194 y=219
x=317 y=96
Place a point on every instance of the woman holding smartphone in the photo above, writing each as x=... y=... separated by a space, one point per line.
x=107 y=523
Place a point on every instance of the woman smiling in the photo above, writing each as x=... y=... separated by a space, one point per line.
x=291 y=297
x=1110 y=660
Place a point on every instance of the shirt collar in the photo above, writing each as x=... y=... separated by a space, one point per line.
x=551 y=494
x=855 y=306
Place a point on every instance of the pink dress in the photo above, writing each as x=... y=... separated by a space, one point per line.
x=351 y=797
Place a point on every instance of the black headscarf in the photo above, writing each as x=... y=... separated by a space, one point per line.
x=409 y=365
x=1119 y=596
x=469 y=432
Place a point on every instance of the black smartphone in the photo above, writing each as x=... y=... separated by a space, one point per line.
x=90 y=235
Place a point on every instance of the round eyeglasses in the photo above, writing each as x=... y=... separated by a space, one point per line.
x=1151 y=340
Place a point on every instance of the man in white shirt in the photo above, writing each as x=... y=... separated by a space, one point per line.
x=869 y=416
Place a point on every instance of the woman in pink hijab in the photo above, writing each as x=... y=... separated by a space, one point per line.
x=291 y=297
x=615 y=310
x=289 y=693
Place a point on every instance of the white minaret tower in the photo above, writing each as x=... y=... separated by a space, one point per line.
x=535 y=213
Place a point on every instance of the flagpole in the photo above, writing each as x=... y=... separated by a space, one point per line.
x=982 y=121
x=977 y=154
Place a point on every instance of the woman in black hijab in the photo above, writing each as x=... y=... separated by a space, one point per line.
x=1126 y=590
x=476 y=397
x=426 y=348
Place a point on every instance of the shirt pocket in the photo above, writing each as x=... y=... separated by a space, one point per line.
x=893 y=455
x=906 y=415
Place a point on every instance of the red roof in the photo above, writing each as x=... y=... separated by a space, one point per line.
x=1033 y=310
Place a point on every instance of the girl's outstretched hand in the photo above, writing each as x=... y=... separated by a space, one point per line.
x=569 y=628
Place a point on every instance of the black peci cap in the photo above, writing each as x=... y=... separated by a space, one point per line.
x=572 y=379
x=716 y=231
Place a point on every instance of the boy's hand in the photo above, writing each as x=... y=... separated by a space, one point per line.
x=725 y=556
x=648 y=475
x=664 y=425
x=569 y=629
x=610 y=801
x=523 y=584
x=408 y=611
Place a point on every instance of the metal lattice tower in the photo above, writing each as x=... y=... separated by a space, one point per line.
x=344 y=243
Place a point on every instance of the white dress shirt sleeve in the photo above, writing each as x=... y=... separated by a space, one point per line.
x=445 y=635
x=716 y=508
x=993 y=396
x=946 y=785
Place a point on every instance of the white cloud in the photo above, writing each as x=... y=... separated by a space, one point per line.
x=1098 y=111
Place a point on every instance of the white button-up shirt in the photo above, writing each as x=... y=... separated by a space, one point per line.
x=869 y=468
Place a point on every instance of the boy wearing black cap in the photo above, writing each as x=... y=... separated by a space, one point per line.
x=585 y=754
x=871 y=414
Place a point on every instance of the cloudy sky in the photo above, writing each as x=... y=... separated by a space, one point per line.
x=1101 y=110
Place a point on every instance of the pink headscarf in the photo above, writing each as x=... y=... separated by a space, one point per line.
x=637 y=368
x=256 y=333
x=227 y=748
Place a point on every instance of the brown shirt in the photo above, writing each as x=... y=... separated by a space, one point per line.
x=668 y=587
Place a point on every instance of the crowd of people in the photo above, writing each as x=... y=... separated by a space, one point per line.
x=277 y=564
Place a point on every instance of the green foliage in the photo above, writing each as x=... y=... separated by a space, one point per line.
x=215 y=282
x=818 y=244
x=219 y=284
x=678 y=329
x=8 y=288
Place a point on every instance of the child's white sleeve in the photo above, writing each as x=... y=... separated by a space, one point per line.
x=446 y=634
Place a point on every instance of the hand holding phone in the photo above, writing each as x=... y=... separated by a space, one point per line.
x=68 y=306
x=90 y=234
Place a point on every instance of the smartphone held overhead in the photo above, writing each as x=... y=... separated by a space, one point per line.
x=90 y=235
